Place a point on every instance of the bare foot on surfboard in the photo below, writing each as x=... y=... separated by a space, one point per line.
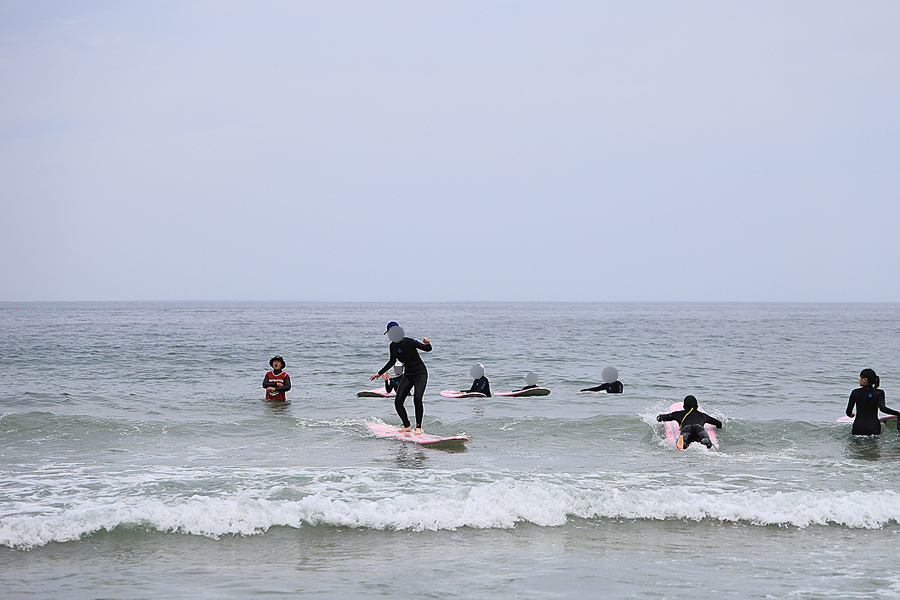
x=404 y=429
x=419 y=431
x=679 y=443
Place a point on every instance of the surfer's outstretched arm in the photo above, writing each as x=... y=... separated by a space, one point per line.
x=712 y=420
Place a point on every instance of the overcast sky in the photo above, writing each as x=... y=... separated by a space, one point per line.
x=450 y=151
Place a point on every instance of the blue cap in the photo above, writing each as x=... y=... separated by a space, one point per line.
x=389 y=325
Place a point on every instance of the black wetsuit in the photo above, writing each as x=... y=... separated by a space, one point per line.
x=867 y=401
x=391 y=384
x=692 y=423
x=615 y=387
x=414 y=375
x=481 y=385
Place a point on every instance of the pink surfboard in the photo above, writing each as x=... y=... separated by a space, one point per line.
x=456 y=394
x=882 y=418
x=673 y=429
x=376 y=393
x=426 y=439
x=537 y=391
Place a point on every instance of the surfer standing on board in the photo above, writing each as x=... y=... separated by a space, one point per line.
x=692 y=423
x=406 y=350
x=868 y=399
x=276 y=382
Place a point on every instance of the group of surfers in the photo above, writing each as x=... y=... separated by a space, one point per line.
x=868 y=399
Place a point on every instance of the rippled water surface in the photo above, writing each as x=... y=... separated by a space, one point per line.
x=139 y=459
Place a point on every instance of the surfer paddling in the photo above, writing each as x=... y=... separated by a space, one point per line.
x=868 y=399
x=276 y=382
x=611 y=383
x=531 y=381
x=415 y=375
x=692 y=423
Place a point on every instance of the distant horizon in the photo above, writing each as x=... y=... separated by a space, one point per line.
x=14 y=302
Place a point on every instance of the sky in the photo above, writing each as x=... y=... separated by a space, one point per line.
x=640 y=151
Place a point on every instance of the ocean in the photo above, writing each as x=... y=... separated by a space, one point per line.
x=138 y=458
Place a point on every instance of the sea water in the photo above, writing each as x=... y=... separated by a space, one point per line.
x=138 y=458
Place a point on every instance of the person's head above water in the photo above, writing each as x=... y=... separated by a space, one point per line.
x=610 y=374
x=870 y=377
x=280 y=361
x=531 y=378
x=477 y=371
x=394 y=331
x=398 y=368
x=690 y=402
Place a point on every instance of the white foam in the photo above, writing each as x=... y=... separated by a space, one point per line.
x=435 y=502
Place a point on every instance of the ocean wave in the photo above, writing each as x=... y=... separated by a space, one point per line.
x=447 y=504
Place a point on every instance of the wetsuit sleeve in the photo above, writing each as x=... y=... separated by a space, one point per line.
x=266 y=382
x=474 y=386
x=421 y=346
x=389 y=385
x=390 y=362
x=850 y=405
x=667 y=417
x=885 y=409
x=287 y=383
x=598 y=388
x=487 y=387
x=712 y=421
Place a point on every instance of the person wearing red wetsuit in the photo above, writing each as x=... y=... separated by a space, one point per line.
x=277 y=382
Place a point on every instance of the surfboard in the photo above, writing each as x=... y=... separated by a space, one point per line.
x=538 y=391
x=882 y=418
x=426 y=439
x=376 y=393
x=673 y=429
x=456 y=394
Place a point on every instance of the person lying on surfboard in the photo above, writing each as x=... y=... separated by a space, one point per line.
x=531 y=381
x=481 y=383
x=276 y=382
x=611 y=383
x=692 y=423
x=868 y=399
x=415 y=375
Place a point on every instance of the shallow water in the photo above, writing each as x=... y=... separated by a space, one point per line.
x=139 y=460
